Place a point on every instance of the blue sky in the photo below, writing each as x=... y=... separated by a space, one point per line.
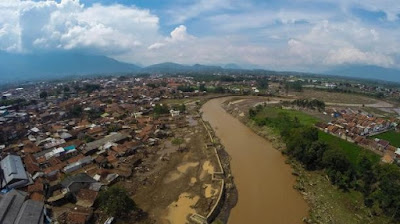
x=275 y=34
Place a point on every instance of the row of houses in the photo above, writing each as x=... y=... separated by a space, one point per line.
x=357 y=127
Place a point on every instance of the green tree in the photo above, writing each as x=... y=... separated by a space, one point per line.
x=161 y=109
x=202 y=87
x=338 y=168
x=89 y=88
x=295 y=86
x=368 y=178
x=76 y=111
x=388 y=192
x=43 y=95
x=66 y=89
x=312 y=157
x=186 y=88
x=180 y=107
x=219 y=89
x=262 y=83
x=252 y=113
x=116 y=202
x=151 y=85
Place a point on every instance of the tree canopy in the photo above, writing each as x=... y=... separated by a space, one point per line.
x=115 y=201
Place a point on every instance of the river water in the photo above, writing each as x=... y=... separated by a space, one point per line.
x=263 y=180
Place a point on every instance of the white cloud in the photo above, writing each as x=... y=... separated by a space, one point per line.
x=69 y=25
x=338 y=43
x=212 y=31
x=181 y=14
x=178 y=35
x=156 y=45
x=356 y=56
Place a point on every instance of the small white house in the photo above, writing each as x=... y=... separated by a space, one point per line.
x=174 y=113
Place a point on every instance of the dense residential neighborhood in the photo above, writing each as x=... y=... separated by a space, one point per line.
x=66 y=142
x=64 y=145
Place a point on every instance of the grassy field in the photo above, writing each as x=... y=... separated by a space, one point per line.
x=353 y=151
x=392 y=136
x=304 y=118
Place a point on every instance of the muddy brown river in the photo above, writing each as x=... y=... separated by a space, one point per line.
x=263 y=180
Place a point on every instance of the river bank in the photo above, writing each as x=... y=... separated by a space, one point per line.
x=263 y=179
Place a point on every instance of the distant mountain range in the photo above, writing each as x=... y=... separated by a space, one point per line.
x=169 y=67
x=20 y=67
x=366 y=72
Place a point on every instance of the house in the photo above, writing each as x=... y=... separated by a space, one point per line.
x=125 y=149
x=383 y=144
x=13 y=172
x=358 y=139
x=332 y=128
x=92 y=147
x=15 y=210
x=31 y=148
x=77 y=165
x=174 y=113
x=31 y=164
x=31 y=212
x=75 y=183
x=397 y=153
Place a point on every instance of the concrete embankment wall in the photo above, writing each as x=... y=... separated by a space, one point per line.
x=216 y=177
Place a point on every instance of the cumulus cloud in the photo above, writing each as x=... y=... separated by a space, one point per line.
x=178 y=35
x=278 y=34
x=68 y=25
x=356 y=56
x=338 y=43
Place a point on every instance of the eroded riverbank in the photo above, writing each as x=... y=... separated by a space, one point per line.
x=262 y=178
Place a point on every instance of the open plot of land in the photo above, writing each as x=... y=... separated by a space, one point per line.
x=333 y=97
x=380 y=112
x=304 y=118
x=392 y=136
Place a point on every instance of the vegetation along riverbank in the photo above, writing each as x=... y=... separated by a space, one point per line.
x=342 y=182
